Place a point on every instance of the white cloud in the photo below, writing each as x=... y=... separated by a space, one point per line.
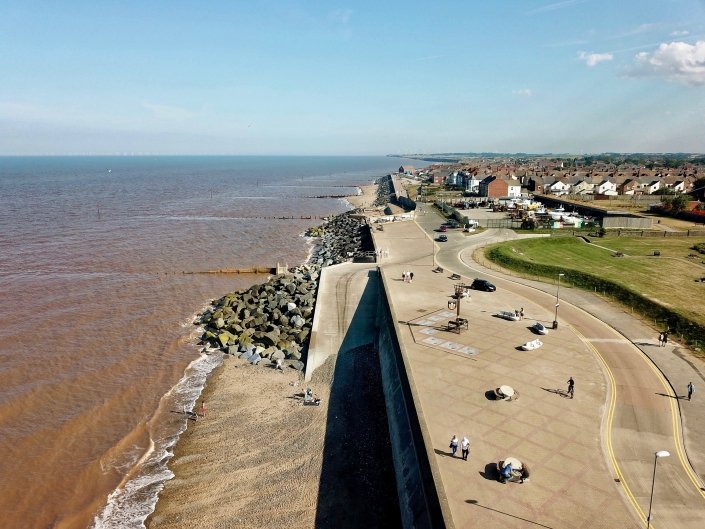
x=675 y=61
x=524 y=92
x=592 y=59
x=555 y=5
x=680 y=33
x=167 y=112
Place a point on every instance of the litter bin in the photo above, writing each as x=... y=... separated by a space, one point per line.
x=555 y=324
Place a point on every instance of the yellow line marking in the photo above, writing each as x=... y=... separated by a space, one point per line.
x=677 y=433
x=610 y=417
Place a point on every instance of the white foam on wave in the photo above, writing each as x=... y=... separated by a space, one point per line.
x=134 y=500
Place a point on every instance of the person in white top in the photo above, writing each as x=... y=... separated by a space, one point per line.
x=453 y=445
x=465 y=447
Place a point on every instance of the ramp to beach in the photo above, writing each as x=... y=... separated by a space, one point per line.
x=346 y=311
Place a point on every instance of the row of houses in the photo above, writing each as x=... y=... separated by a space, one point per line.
x=501 y=179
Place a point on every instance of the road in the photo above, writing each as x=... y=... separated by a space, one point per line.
x=641 y=412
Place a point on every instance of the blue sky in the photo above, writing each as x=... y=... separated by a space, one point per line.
x=378 y=77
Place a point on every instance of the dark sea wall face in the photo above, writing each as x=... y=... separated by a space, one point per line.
x=419 y=498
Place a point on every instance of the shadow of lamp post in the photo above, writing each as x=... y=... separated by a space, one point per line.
x=657 y=455
x=558 y=288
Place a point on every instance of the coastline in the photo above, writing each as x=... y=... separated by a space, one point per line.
x=255 y=460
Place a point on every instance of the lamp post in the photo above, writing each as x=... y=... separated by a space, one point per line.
x=657 y=455
x=558 y=288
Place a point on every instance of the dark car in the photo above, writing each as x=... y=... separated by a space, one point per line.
x=483 y=284
x=442 y=238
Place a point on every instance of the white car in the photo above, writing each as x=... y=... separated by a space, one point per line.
x=508 y=315
x=532 y=345
x=539 y=328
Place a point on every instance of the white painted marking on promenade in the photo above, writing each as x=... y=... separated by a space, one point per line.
x=608 y=340
x=428 y=331
x=432 y=341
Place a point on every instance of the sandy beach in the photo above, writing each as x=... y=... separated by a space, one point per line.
x=260 y=459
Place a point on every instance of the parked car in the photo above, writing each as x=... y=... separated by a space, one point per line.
x=443 y=228
x=483 y=284
x=508 y=315
x=442 y=238
x=539 y=328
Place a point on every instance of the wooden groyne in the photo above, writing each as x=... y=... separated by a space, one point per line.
x=270 y=270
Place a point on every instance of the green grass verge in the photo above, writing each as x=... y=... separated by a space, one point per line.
x=663 y=289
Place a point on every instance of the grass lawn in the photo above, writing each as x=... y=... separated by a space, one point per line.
x=668 y=279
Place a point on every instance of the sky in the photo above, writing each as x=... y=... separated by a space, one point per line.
x=374 y=77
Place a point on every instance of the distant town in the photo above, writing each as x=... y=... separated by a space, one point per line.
x=598 y=176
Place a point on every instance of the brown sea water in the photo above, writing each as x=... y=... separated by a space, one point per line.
x=98 y=355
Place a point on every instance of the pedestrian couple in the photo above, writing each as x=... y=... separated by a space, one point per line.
x=663 y=339
x=464 y=447
x=407 y=277
x=519 y=313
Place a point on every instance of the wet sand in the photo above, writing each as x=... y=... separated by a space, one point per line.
x=260 y=459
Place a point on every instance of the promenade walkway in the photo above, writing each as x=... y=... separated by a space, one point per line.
x=591 y=457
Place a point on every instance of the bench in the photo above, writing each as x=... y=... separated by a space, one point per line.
x=457 y=325
x=455 y=276
x=438 y=270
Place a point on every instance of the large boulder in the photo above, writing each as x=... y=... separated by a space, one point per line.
x=297 y=321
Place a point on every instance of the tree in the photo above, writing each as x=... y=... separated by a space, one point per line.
x=676 y=203
x=699 y=188
x=679 y=203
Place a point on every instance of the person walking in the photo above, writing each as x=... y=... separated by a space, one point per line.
x=571 y=387
x=660 y=339
x=453 y=445
x=203 y=408
x=465 y=448
x=665 y=338
x=691 y=388
x=411 y=277
x=521 y=313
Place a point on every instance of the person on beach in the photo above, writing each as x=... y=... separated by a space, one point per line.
x=453 y=445
x=203 y=408
x=465 y=448
x=691 y=388
x=571 y=387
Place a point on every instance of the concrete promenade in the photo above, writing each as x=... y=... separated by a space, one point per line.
x=591 y=457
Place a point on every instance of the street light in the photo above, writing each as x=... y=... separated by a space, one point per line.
x=558 y=288
x=657 y=455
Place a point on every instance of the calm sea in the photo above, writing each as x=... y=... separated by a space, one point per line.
x=97 y=349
